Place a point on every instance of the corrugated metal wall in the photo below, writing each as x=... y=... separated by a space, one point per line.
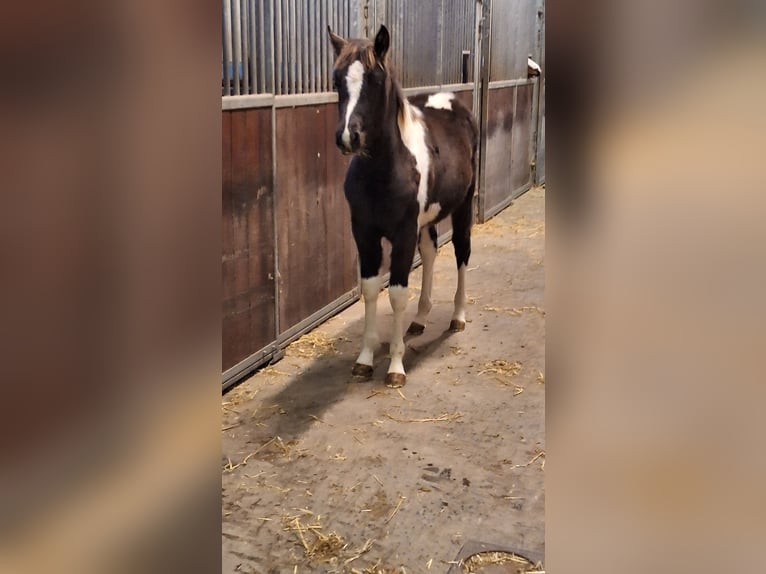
x=429 y=39
x=279 y=46
x=513 y=37
x=511 y=128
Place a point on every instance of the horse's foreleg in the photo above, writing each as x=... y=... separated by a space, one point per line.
x=370 y=291
x=370 y=259
x=398 y=295
x=427 y=248
x=402 y=253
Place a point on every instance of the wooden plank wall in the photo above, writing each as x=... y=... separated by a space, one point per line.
x=317 y=256
x=249 y=318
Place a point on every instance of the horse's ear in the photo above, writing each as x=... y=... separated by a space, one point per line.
x=382 y=42
x=337 y=41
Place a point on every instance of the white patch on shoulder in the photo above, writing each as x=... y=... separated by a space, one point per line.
x=441 y=101
x=413 y=131
x=354 y=81
x=532 y=65
x=428 y=215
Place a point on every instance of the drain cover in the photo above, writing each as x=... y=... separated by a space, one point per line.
x=484 y=558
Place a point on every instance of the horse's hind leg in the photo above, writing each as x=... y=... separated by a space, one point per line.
x=427 y=248
x=462 y=219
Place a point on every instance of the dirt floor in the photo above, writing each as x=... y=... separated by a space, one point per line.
x=324 y=474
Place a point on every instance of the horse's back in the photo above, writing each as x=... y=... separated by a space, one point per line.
x=453 y=138
x=449 y=121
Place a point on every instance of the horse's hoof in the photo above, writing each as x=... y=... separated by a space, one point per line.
x=416 y=329
x=362 y=371
x=456 y=325
x=395 y=380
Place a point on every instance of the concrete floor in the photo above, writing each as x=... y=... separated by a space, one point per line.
x=318 y=469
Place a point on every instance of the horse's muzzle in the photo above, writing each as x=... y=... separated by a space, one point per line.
x=348 y=140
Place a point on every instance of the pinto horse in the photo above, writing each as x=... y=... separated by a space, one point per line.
x=414 y=164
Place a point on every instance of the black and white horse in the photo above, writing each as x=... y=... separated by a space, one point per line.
x=414 y=164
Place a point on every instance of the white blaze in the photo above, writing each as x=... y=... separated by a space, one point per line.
x=441 y=101
x=354 y=81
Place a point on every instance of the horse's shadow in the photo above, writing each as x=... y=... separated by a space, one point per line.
x=327 y=379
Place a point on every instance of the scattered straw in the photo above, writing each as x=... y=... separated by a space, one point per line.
x=502 y=368
x=517 y=390
x=360 y=552
x=538 y=455
x=323 y=547
x=312 y=345
x=274 y=371
x=377 y=479
x=515 y=311
x=477 y=562
x=446 y=417
x=540 y=378
x=285 y=448
x=396 y=509
x=316 y=418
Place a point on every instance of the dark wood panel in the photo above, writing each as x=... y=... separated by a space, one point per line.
x=465 y=98
x=521 y=171
x=500 y=121
x=342 y=240
x=316 y=257
x=249 y=320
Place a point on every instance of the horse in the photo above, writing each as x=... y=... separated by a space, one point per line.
x=414 y=164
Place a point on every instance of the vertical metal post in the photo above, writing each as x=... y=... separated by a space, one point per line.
x=292 y=56
x=483 y=80
x=440 y=44
x=246 y=48
x=226 y=47
x=539 y=93
x=275 y=187
x=276 y=47
x=237 y=39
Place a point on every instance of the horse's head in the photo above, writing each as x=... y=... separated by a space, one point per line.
x=360 y=75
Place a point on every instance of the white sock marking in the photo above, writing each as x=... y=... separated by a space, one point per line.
x=460 y=295
x=398 y=296
x=370 y=291
x=440 y=101
x=354 y=81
